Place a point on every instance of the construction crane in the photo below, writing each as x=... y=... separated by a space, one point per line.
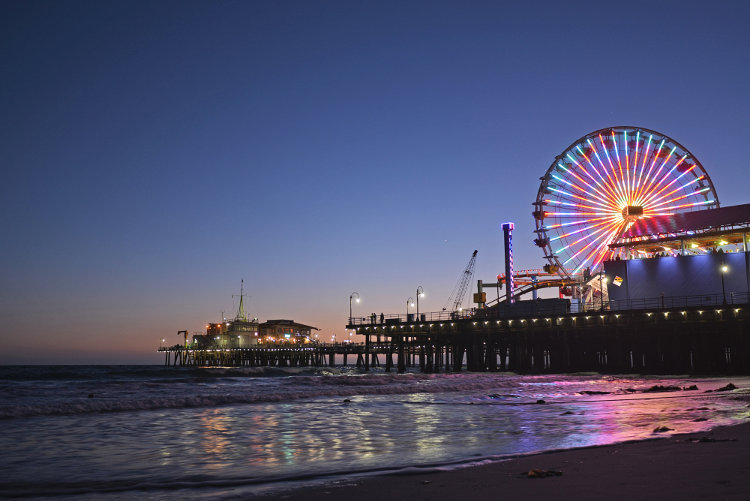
x=459 y=291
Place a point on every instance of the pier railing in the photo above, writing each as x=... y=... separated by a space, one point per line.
x=530 y=308
x=667 y=302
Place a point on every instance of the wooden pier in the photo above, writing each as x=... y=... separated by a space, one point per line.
x=668 y=339
x=312 y=355
x=663 y=337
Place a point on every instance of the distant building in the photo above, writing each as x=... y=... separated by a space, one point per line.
x=244 y=331
x=247 y=333
x=241 y=332
x=237 y=333
x=275 y=331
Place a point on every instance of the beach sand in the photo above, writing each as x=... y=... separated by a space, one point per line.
x=710 y=465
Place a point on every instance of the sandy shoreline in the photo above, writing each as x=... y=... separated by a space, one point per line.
x=709 y=465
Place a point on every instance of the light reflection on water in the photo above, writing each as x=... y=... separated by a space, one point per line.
x=324 y=435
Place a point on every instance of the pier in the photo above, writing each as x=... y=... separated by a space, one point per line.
x=628 y=316
x=663 y=335
x=276 y=355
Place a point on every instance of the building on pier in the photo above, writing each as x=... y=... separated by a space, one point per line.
x=248 y=333
x=281 y=330
x=699 y=253
x=244 y=331
x=236 y=333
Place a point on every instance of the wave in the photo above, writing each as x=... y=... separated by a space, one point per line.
x=187 y=395
x=108 y=372
x=215 y=387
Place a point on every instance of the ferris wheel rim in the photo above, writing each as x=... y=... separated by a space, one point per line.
x=542 y=233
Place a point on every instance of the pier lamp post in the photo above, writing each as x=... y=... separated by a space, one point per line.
x=420 y=293
x=409 y=302
x=352 y=296
x=724 y=270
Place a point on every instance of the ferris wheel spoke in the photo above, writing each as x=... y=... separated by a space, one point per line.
x=652 y=203
x=579 y=188
x=575 y=201
x=684 y=206
x=576 y=242
x=654 y=197
x=598 y=254
x=618 y=182
x=615 y=182
x=627 y=162
x=625 y=179
x=579 y=178
x=654 y=183
x=592 y=238
x=675 y=199
x=601 y=239
x=648 y=194
x=601 y=252
x=612 y=184
x=605 y=187
x=575 y=214
x=651 y=168
x=580 y=229
x=570 y=204
x=650 y=154
x=643 y=163
x=580 y=166
x=571 y=223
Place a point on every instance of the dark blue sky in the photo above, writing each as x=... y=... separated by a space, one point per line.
x=155 y=153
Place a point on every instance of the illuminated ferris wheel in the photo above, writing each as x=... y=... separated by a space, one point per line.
x=604 y=182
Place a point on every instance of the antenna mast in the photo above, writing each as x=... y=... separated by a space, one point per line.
x=241 y=310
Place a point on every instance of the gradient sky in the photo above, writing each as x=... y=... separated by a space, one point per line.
x=154 y=153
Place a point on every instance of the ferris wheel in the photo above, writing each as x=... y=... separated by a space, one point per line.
x=604 y=182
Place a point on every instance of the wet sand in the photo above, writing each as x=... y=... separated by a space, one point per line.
x=710 y=465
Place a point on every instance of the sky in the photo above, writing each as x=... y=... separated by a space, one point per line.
x=156 y=153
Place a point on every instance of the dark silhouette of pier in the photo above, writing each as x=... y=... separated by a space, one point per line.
x=275 y=355
x=663 y=335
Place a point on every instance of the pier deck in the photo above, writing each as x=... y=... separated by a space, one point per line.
x=685 y=335
x=675 y=335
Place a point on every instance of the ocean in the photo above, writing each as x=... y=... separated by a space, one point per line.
x=153 y=432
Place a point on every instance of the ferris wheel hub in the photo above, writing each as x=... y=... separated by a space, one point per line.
x=632 y=212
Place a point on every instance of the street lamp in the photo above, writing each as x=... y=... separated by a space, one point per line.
x=420 y=293
x=409 y=302
x=724 y=270
x=351 y=296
